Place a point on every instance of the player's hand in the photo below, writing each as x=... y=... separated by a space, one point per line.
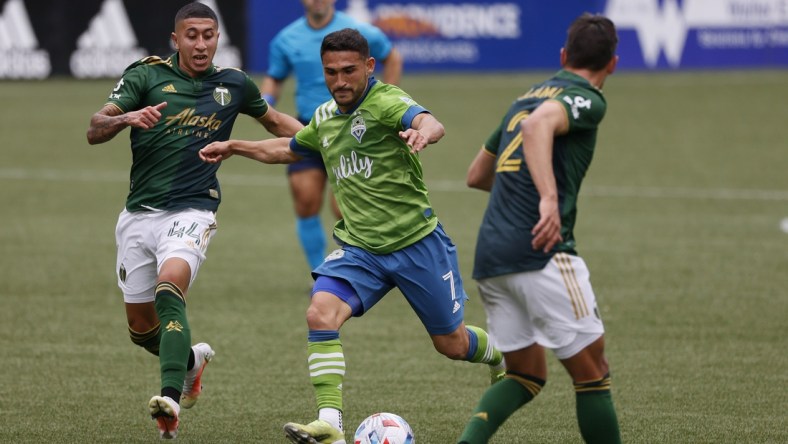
x=416 y=141
x=547 y=231
x=145 y=118
x=215 y=152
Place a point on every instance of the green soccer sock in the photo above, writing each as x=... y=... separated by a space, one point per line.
x=326 y=367
x=499 y=402
x=596 y=414
x=175 y=337
x=481 y=349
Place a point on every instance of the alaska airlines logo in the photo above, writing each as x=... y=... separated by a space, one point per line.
x=188 y=118
x=352 y=165
x=662 y=25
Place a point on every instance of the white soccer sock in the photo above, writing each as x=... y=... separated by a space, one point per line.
x=332 y=416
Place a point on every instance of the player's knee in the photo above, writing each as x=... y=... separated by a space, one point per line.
x=322 y=317
x=452 y=349
x=308 y=205
x=149 y=340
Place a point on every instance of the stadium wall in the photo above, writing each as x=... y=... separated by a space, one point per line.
x=99 y=38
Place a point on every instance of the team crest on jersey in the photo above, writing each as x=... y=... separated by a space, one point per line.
x=222 y=95
x=358 y=127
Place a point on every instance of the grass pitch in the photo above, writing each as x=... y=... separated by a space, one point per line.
x=679 y=222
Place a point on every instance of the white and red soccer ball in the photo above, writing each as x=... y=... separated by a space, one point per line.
x=384 y=428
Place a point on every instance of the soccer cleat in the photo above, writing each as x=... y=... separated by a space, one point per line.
x=316 y=432
x=165 y=411
x=192 y=384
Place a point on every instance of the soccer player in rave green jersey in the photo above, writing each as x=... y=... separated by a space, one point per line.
x=534 y=287
x=174 y=107
x=369 y=136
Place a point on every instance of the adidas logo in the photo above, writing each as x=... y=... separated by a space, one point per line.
x=19 y=58
x=108 y=46
x=169 y=89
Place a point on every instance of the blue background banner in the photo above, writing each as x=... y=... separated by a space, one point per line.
x=99 y=38
x=505 y=35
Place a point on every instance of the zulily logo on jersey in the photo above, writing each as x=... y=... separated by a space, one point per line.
x=188 y=118
x=352 y=165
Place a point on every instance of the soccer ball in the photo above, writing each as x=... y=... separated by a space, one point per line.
x=384 y=428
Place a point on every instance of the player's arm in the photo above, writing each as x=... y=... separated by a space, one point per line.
x=280 y=124
x=392 y=67
x=266 y=151
x=539 y=130
x=481 y=173
x=424 y=130
x=271 y=89
x=110 y=120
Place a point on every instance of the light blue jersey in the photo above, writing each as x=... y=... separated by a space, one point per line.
x=296 y=49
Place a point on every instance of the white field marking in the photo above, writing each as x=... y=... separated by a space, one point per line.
x=455 y=186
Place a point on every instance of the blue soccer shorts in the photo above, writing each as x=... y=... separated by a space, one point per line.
x=426 y=272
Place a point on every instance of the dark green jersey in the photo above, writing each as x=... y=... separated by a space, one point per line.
x=504 y=241
x=378 y=183
x=166 y=171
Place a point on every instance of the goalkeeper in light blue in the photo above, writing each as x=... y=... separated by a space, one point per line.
x=369 y=137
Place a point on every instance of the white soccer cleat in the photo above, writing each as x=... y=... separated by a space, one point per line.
x=192 y=384
x=165 y=411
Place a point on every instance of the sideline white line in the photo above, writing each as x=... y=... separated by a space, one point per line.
x=454 y=186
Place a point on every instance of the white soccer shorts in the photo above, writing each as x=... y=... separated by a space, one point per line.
x=146 y=239
x=554 y=307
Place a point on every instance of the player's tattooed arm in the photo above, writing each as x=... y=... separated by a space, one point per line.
x=110 y=120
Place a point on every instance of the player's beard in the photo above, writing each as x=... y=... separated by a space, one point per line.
x=348 y=98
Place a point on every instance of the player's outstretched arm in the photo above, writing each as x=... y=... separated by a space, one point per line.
x=280 y=124
x=265 y=151
x=110 y=120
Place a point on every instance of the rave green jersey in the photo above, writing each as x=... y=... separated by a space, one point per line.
x=166 y=171
x=504 y=242
x=377 y=181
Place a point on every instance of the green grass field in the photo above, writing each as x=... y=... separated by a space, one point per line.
x=679 y=223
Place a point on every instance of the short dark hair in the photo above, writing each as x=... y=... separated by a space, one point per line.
x=345 y=40
x=195 y=10
x=591 y=42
